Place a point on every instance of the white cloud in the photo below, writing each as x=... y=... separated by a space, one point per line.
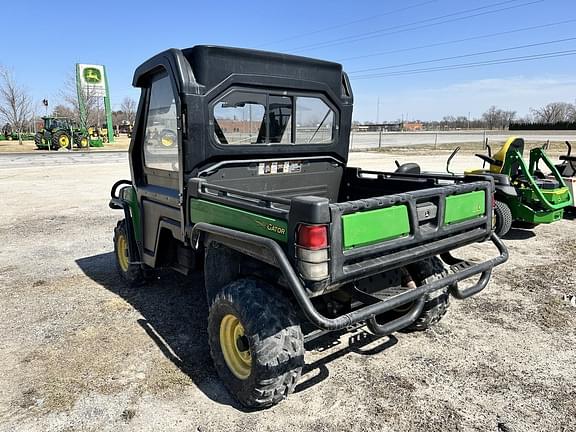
x=516 y=93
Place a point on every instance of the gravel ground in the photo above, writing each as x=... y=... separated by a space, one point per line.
x=82 y=352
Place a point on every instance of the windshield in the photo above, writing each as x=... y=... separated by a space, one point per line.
x=52 y=123
x=245 y=118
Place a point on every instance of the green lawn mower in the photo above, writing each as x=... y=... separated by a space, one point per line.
x=525 y=196
x=61 y=133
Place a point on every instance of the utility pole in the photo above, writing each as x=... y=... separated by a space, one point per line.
x=468 y=119
x=378 y=110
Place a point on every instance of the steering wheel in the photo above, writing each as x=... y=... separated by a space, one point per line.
x=489 y=159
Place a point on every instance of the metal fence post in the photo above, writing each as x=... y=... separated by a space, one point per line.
x=380 y=139
x=435 y=140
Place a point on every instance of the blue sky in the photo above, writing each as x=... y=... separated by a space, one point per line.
x=41 y=42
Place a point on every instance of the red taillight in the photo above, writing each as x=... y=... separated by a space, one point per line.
x=313 y=236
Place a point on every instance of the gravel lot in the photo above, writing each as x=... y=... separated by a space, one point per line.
x=82 y=352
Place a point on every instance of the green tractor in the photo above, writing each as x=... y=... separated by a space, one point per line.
x=525 y=196
x=59 y=133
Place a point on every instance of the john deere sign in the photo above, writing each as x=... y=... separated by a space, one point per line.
x=91 y=81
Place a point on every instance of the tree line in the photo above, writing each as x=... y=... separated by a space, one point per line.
x=555 y=115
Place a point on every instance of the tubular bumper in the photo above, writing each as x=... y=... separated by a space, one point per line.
x=269 y=251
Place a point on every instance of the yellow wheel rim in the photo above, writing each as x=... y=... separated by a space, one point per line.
x=235 y=347
x=63 y=141
x=83 y=142
x=122 y=252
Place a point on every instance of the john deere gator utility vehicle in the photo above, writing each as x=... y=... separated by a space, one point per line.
x=525 y=196
x=60 y=132
x=293 y=242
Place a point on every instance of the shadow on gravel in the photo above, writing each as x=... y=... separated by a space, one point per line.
x=357 y=343
x=175 y=315
x=519 y=234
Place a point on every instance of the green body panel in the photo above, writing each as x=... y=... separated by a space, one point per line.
x=465 y=206
x=369 y=227
x=525 y=213
x=555 y=196
x=96 y=142
x=230 y=217
x=129 y=195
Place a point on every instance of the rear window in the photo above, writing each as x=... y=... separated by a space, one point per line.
x=248 y=118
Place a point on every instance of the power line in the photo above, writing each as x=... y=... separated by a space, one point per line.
x=505 y=60
x=465 y=55
x=346 y=24
x=407 y=27
x=454 y=41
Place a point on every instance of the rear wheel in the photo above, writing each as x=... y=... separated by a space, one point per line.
x=132 y=273
x=437 y=302
x=61 y=140
x=503 y=219
x=255 y=342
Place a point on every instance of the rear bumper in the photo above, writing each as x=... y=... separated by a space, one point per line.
x=273 y=253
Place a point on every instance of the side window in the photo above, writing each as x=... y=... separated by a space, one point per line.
x=239 y=118
x=314 y=121
x=160 y=137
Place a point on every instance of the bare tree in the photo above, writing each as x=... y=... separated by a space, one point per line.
x=63 y=111
x=15 y=102
x=554 y=112
x=491 y=117
x=92 y=103
x=128 y=107
x=497 y=118
x=507 y=117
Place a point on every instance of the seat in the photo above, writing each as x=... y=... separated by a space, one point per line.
x=513 y=143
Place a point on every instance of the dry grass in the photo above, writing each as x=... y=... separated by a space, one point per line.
x=121 y=143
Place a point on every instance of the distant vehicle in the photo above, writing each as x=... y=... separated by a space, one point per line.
x=525 y=197
x=60 y=132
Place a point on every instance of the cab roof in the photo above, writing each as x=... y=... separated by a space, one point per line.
x=205 y=66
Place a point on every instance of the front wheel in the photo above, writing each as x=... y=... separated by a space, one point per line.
x=81 y=141
x=255 y=342
x=131 y=272
x=503 y=219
